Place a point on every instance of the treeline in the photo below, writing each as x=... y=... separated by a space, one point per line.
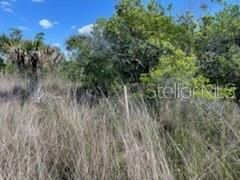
x=144 y=44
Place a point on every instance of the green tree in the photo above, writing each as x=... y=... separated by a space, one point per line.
x=177 y=67
x=91 y=61
x=140 y=43
x=137 y=36
x=217 y=46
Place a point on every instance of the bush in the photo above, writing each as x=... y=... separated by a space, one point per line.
x=181 y=69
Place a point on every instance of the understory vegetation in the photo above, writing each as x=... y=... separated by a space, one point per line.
x=112 y=108
x=57 y=138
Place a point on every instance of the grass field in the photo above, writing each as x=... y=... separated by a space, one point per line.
x=56 y=138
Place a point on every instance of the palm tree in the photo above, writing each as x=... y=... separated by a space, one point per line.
x=47 y=57
x=50 y=57
x=29 y=53
x=11 y=46
x=30 y=56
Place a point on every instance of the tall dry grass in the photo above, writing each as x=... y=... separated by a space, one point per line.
x=60 y=139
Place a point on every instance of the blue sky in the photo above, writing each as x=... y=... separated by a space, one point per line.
x=59 y=19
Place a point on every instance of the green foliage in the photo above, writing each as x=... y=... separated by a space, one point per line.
x=218 y=45
x=127 y=45
x=2 y=65
x=177 y=66
x=181 y=69
x=144 y=43
x=10 y=69
x=7 y=68
x=141 y=44
x=92 y=64
x=70 y=70
x=137 y=35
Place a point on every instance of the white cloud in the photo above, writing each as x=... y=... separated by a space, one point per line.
x=56 y=45
x=9 y=10
x=46 y=24
x=73 y=27
x=86 y=30
x=6 y=6
x=24 y=28
x=38 y=1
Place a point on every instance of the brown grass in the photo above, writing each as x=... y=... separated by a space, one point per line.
x=59 y=139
